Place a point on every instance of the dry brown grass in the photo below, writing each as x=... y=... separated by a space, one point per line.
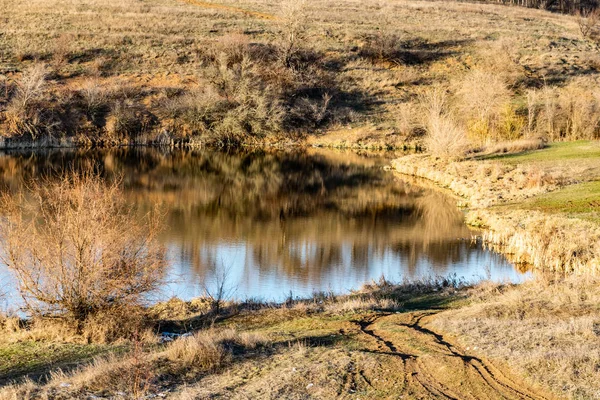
x=210 y=350
x=551 y=243
x=316 y=67
x=138 y=373
x=485 y=183
x=512 y=147
x=547 y=330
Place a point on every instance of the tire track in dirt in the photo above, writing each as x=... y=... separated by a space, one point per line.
x=485 y=370
x=415 y=345
x=232 y=9
x=410 y=361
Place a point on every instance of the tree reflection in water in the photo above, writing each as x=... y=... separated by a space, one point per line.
x=282 y=221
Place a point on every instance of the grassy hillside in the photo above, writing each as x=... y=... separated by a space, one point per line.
x=347 y=73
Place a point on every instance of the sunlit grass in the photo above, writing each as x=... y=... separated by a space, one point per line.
x=581 y=200
x=588 y=150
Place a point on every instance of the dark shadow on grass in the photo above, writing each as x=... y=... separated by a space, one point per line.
x=411 y=52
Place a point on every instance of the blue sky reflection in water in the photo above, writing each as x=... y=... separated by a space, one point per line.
x=282 y=222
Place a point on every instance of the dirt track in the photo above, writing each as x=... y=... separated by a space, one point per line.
x=436 y=368
x=376 y=356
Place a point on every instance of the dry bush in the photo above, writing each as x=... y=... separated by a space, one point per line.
x=5 y=89
x=292 y=29
x=234 y=46
x=128 y=119
x=31 y=85
x=484 y=101
x=84 y=254
x=580 y=111
x=385 y=44
x=95 y=99
x=61 y=52
x=24 y=112
x=569 y=113
x=405 y=120
x=587 y=21
x=236 y=106
x=444 y=137
x=383 y=47
x=499 y=59
x=309 y=112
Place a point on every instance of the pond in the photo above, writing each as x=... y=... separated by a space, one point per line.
x=275 y=224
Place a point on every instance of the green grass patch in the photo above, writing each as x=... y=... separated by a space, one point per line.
x=581 y=200
x=22 y=358
x=554 y=152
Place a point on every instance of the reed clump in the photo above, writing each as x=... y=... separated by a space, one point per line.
x=552 y=243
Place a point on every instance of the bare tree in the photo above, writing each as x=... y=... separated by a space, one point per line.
x=588 y=23
x=76 y=248
x=31 y=85
x=292 y=28
x=219 y=289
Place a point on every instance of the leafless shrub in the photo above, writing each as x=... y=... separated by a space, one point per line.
x=100 y=66
x=385 y=44
x=293 y=28
x=445 y=138
x=236 y=106
x=95 y=101
x=311 y=112
x=382 y=47
x=219 y=290
x=5 y=89
x=85 y=254
x=31 y=85
x=500 y=59
x=579 y=116
x=569 y=113
x=405 y=119
x=23 y=114
x=61 y=52
x=234 y=46
x=484 y=101
x=587 y=21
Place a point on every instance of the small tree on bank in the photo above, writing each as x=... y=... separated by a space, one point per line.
x=77 y=249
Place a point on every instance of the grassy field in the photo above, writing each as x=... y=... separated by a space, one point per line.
x=373 y=344
x=539 y=207
x=579 y=163
x=346 y=73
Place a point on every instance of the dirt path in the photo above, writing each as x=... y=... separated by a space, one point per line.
x=434 y=367
x=374 y=356
x=223 y=7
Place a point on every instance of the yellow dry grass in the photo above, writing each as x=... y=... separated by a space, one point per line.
x=510 y=72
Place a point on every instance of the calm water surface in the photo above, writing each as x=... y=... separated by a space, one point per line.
x=276 y=223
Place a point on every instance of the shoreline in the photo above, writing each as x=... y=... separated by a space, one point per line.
x=549 y=243
x=83 y=143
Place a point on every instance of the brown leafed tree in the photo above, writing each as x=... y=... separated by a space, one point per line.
x=77 y=248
